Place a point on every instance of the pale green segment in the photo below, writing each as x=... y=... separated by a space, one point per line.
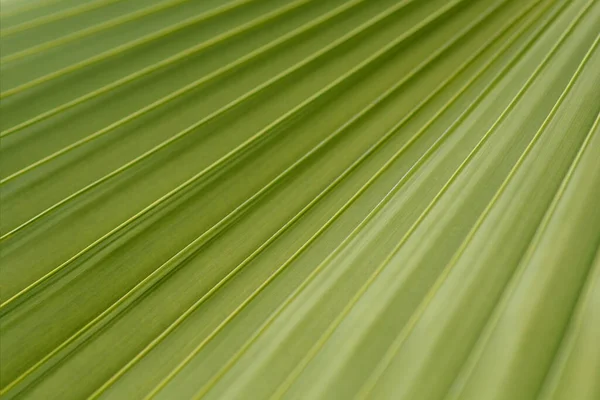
x=574 y=371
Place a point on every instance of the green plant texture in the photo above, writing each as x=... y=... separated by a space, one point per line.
x=300 y=199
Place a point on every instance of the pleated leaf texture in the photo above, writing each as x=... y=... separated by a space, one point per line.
x=300 y=199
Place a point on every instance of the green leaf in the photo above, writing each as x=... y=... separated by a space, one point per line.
x=300 y=199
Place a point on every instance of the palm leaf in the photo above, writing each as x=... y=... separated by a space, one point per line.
x=300 y=199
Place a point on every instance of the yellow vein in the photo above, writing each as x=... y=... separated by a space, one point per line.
x=125 y=47
x=46 y=19
x=102 y=26
x=395 y=347
x=27 y=8
x=246 y=146
x=539 y=232
x=193 y=247
x=327 y=225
